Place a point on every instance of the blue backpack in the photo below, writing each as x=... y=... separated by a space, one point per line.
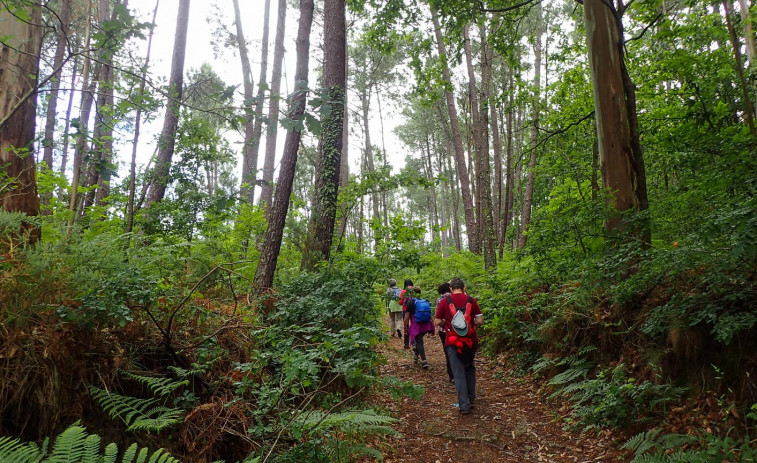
x=422 y=311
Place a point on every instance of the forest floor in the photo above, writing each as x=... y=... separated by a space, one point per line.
x=510 y=423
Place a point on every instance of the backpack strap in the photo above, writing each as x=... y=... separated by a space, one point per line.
x=450 y=304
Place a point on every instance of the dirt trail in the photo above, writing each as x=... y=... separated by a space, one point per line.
x=509 y=424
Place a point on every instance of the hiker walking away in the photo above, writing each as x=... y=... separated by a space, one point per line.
x=404 y=297
x=418 y=320
x=460 y=314
x=394 y=308
x=443 y=290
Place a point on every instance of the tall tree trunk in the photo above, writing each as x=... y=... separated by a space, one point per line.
x=67 y=125
x=321 y=227
x=137 y=127
x=454 y=197
x=365 y=101
x=167 y=140
x=498 y=188
x=384 y=199
x=62 y=33
x=594 y=165
x=528 y=200
x=736 y=45
x=105 y=119
x=481 y=142
x=257 y=130
x=431 y=197
x=249 y=158
x=613 y=131
x=83 y=129
x=273 y=108
x=344 y=167
x=751 y=49
x=462 y=170
x=509 y=175
x=278 y=211
x=19 y=66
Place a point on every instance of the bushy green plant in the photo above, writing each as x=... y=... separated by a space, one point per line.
x=613 y=399
x=656 y=447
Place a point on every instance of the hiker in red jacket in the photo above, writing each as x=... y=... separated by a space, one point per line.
x=459 y=314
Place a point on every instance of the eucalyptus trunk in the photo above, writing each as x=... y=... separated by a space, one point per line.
x=62 y=32
x=529 y=197
x=18 y=80
x=83 y=129
x=481 y=141
x=613 y=130
x=67 y=124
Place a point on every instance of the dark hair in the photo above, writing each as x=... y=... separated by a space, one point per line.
x=416 y=290
x=443 y=288
x=408 y=282
x=456 y=283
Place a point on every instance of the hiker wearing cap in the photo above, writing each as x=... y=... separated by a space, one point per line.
x=394 y=308
x=460 y=314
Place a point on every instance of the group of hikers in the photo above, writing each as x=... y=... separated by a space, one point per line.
x=456 y=315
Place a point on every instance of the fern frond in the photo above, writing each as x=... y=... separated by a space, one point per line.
x=17 y=451
x=570 y=375
x=75 y=445
x=183 y=373
x=159 y=386
x=653 y=440
x=356 y=421
x=138 y=414
x=69 y=446
x=542 y=364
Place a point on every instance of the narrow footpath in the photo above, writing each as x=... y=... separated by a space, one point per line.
x=510 y=423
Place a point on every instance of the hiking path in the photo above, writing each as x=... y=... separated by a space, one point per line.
x=511 y=422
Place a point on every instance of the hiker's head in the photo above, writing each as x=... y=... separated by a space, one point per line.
x=457 y=284
x=392 y=282
x=416 y=290
x=443 y=288
x=408 y=282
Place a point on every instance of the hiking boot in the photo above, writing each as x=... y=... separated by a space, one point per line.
x=415 y=358
x=424 y=365
x=465 y=412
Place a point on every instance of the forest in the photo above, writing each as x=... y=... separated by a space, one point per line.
x=203 y=202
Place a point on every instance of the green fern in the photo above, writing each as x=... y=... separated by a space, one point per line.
x=352 y=427
x=75 y=445
x=159 y=386
x=363 y=421
x=138 y=414
x=654 y=440
x=183 y=373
